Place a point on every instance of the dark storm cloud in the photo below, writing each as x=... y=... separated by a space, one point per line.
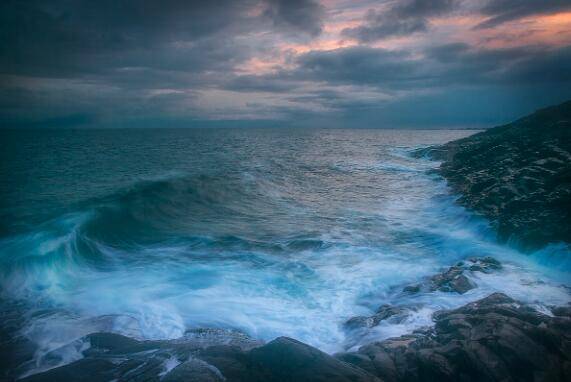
x=71 y=38
x=302 y=15
x=440 y=66
x=501 y=11
x=525 y=65
x=450 y=83
x=68 y=38
x=262 y=83
x=140 y=62
x=357 y=65
x=401 y=19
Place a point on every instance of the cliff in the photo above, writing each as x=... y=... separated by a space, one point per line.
x=518 y=176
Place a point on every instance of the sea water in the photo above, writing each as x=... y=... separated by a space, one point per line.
x=272 y=232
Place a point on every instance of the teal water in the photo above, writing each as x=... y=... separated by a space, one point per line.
x=273 y=232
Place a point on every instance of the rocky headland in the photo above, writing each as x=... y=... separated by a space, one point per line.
x=518 y=176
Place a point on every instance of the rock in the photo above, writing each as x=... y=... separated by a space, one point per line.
x=193 y=370
x=115 y=357
x=492 y=339
x=453 y=280
x=517 y=176
x=394 y=314
x=461 y=284
x=562 y=311
x=84 y=370
x=286 y=359
x=496 y=338
x=415 y=288
x=358 y=322
x=484 y=264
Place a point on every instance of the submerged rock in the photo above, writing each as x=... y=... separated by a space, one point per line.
x=454 y=278
x=496 y=338
x=415 y=288
x=517 y=175
x=484 y=264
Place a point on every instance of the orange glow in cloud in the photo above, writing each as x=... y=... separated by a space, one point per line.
x=547 y=30
x=256 y=66
x=550 y=30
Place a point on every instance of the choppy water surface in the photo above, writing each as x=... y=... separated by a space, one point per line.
x=149 y=233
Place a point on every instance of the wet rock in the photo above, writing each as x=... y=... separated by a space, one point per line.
x=358 y=322
x=415 y=288
x=517 y=176
x=286 y=359
x=492 y=339
x=496 y=338
x=205 y=337
x=484 y=264
x=115 y=357
x=562 y=311
x=391 y=313
x=453 y=280
x=395 y=314
x=112 y=356
x=193 y=370
x=85 y=370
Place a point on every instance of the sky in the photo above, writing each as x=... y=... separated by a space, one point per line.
x=299 y=63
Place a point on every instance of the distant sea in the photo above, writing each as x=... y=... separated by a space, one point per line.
x=272 y=232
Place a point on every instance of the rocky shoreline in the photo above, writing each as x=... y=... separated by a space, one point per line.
x=494 y=338
x=518 y=176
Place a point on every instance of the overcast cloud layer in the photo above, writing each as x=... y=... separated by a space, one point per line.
x=338 y=63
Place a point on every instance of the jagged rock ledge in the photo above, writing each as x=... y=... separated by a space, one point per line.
x=495 y=338
x=517 y=175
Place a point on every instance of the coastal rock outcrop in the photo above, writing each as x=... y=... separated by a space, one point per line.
x=115 y=357
x=493 y=339
x=517 y=175
x=454 y=279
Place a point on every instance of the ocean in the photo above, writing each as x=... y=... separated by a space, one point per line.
x=271 y=232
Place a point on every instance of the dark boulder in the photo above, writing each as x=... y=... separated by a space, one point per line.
x=483 y=264
x=286 y=359
x=492 y=339
x=115 y=357
x=454 y=279
x=393 y=314
x=193 y=370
